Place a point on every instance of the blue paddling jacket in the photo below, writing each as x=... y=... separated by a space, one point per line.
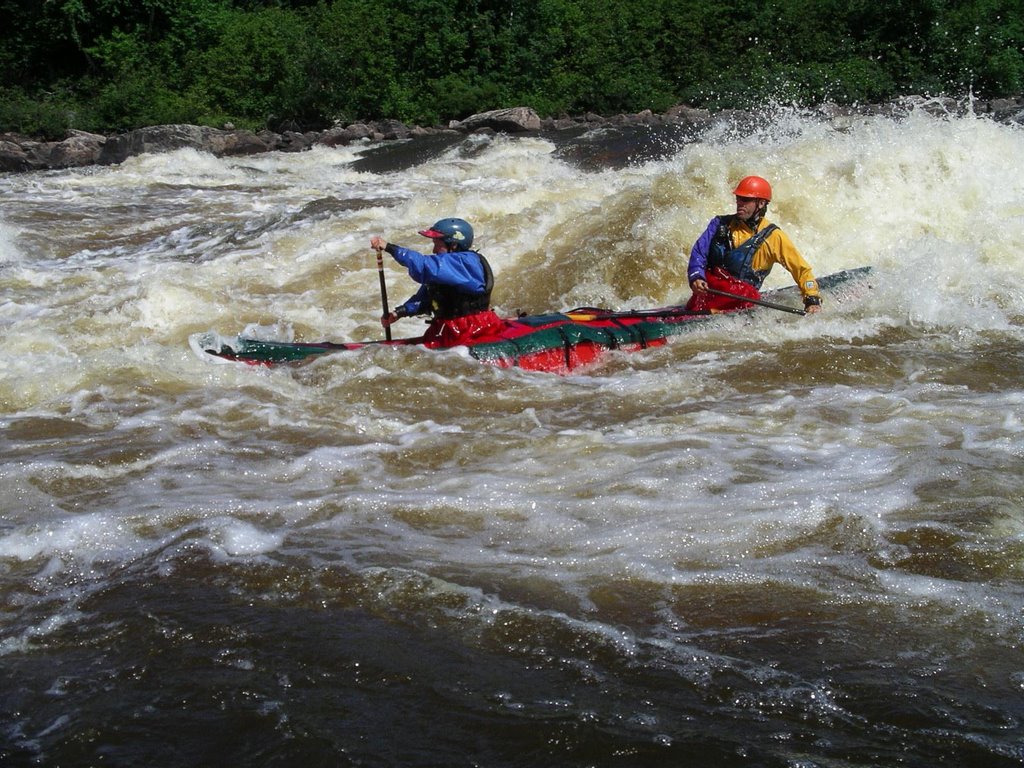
x=452 y=284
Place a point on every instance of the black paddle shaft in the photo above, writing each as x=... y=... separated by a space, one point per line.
x=760 y=302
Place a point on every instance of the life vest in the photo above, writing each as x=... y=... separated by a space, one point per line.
x=447 y=301
x=737 y=261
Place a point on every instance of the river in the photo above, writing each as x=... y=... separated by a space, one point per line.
x=779 y=541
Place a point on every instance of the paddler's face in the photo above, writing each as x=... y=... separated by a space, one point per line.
x=439 y=245
x=748 y=207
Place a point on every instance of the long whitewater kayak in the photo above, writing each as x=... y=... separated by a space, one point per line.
x=558 y=342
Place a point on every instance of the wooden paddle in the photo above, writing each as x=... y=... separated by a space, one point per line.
x=383 y=291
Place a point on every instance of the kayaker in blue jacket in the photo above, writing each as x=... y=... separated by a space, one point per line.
x=737 y=251
x=455 y=285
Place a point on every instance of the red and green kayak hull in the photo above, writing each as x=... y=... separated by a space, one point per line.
x=558 y=342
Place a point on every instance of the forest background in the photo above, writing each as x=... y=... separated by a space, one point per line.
x=108 y=66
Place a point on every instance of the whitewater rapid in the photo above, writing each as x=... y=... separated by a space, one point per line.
x=779 y=541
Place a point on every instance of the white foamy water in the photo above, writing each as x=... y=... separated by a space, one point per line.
x=749 y=538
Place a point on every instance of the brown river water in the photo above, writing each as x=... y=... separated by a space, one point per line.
x=778 y=541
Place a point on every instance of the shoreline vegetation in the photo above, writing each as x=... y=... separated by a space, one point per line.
x=82 y=79
x=19 y=153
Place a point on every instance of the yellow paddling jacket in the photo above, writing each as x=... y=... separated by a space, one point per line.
x=721 y=245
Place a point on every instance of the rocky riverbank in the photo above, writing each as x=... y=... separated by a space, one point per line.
x=21 y=153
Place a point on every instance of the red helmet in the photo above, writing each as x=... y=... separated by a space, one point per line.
x=753 y=186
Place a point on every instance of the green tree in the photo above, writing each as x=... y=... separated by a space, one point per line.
x=256 y=70
x=116 y=64
x=354 y=72
x=980 y=46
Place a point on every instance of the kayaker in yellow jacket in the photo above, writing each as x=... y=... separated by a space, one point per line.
x=737 y=251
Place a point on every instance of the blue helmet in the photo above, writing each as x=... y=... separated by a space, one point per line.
x=457 y=234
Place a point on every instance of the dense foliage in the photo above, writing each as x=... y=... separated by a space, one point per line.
x=110 y=65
